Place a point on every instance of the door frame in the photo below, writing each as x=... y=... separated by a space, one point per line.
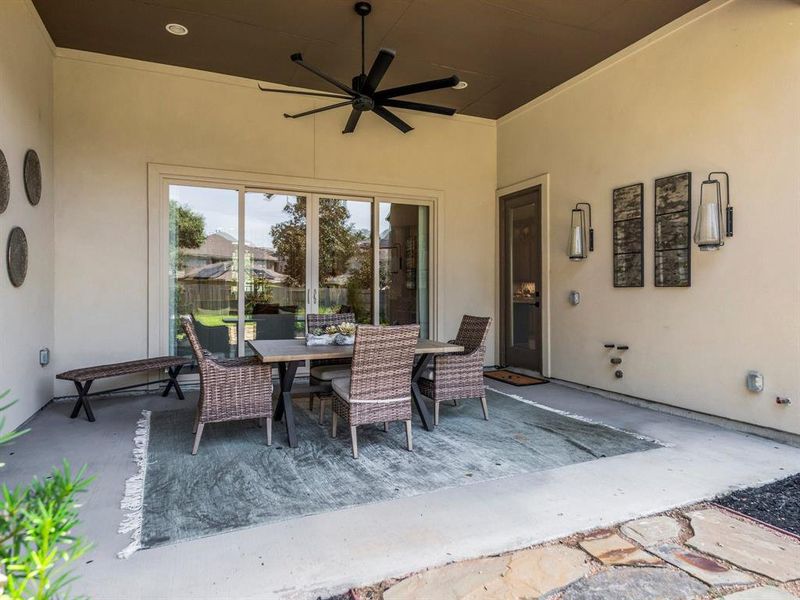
x=543 y=183
x=160 y=176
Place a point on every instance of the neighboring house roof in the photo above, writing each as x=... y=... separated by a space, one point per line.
x=223 y=271
x=222 y=245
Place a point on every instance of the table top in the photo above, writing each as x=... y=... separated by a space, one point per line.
x=270 y=351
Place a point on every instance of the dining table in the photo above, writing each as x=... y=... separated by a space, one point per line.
x=291 y=354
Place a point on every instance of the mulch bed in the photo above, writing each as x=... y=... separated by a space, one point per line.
x=777 y=503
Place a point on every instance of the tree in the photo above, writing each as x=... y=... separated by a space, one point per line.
x=190 y=226
x=337 y=237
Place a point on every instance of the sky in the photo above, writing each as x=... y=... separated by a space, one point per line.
x=220 y=209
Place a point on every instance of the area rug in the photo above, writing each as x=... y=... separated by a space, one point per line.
x=517 y=379
x=236 y=481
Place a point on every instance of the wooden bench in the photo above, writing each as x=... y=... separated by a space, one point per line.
x=83 y=378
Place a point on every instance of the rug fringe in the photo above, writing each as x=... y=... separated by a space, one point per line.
x=580 y=418
x=133 y=500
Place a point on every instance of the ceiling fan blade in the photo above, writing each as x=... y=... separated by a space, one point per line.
x=355 y=115
x=298 y=59
x=378 y=70
x=429 y=108
x=415 y=88
x=392 y=118
x=320 y=94
x=318 y=110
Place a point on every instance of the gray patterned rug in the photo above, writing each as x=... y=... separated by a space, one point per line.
x=236 y=481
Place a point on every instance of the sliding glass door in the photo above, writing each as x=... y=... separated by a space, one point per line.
x=250 y=264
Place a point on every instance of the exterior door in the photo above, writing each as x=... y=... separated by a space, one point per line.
x=521 y=279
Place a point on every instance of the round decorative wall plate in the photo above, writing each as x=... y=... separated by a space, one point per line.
x=33 y=177
x=5 y=183
x=17 y=256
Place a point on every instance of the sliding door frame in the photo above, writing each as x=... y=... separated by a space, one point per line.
x=161 y=176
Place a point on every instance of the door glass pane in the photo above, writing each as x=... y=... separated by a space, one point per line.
x=403 y=273
x=203 y=272
x=274 y=266
x=345 y=257
x=525 y=296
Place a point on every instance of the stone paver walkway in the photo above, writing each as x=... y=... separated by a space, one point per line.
x=702 y=552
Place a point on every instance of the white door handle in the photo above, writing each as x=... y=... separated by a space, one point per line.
x=315 y=295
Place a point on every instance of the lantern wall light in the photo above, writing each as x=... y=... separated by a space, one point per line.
x=579 y=236
x=708 y=228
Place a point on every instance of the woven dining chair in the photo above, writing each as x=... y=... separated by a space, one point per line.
x=379 y=388
x=231 y=389
x=323 y=372
x=459 y=376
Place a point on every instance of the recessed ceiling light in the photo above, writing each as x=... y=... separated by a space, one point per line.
x=177 y=29
x=460 y=85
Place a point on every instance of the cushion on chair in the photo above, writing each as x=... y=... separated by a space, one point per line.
x=330 y=372
x=428 y=374
x=341 y=386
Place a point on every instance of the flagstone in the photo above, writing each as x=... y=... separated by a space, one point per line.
x=745 y=544
x=612 y=549
x=703 y=567
x=536 y=571
x=652 y=531
x=455 y=581
x=636 y=583
x=766 y=592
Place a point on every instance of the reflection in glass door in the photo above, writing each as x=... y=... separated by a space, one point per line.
x=249 y=264
x=275 y=228
x=344 y=278
x=403 y=272
x=203 y=267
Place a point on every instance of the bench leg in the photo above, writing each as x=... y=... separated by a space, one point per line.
x=173 y=373
x=83 y=400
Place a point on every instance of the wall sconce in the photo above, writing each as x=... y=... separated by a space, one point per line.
x=578 y=232
x=708 y=229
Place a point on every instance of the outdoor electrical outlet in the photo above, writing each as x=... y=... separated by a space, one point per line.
x=618 y=373
x=616 y=361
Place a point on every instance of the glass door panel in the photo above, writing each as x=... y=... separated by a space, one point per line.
x=203 y=275
x=345 y=263
x=275 y=228
x=403 y=270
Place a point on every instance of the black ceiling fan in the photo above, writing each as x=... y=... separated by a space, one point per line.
x=363 y=95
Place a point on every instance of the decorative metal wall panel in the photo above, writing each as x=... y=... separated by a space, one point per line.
x=33 y=177
x=673 y=209
x=5 y=183
x=628 y=209
x=17 y=256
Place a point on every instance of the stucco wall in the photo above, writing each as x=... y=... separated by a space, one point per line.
x=720 y=92
x=114 y=116
x=26 y=121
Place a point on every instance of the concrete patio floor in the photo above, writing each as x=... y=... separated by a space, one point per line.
x=331 y=552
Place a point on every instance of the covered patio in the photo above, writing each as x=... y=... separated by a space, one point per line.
x=331 y=551
x=530 y=276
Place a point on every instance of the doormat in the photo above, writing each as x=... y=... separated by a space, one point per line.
x=507 y=376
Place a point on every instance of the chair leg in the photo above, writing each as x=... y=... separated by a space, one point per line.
x=269 y=431
x=409 y=439
x=197 y=437
x=260 y=423
x=311 y=402
x=386 y=426
x=334 y=423
x=485 y=407
x=354 y=440
x=435 y=413
x=196 y=419
x=455 y=402
x=321 y=409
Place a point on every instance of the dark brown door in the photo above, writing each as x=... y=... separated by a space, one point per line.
x=521 y=279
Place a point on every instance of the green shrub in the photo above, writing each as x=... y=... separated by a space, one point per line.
x=36 y=541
